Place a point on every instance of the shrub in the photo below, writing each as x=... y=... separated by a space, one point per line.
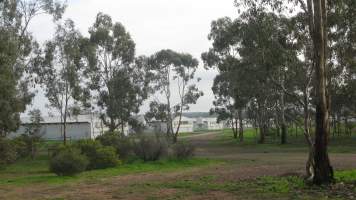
x=183 y=150
x=68 y=162
x=122 y=145
x=150 y=148
x=105 y=157
x=88 y=147
x=27 y=145
x=99 y=156
x=8 y=153
x=20 y=147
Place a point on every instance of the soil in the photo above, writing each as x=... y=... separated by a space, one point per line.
x=238 y=166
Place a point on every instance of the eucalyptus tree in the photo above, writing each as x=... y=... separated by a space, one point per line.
x=224 y=106
x=342 y=19
x=317 y=16
x=244 y=50
x=17 y=47
x=118 y=79
x=60 y=71
x=231 y=88
x=171 y=69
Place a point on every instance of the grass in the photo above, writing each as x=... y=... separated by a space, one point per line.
x=184 y=134
x=203 y=182
x=267 y=187
x=296 y=142
x=27 y=172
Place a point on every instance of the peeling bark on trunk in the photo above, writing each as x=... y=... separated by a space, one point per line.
x=322 y=169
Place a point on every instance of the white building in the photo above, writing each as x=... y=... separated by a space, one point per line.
x=78 y=127
x=186 y=125
x=207 y=123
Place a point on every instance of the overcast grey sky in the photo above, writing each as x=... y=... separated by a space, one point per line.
x=180 y=25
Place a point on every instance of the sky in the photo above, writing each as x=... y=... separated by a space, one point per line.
x=180 y=25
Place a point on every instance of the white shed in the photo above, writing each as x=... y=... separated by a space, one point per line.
x=78 y=127
x=208 y=123
x=186 y=125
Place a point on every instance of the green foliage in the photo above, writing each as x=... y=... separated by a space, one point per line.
x=68 y=162
x=171 y=68
x=346 y=176
x=123 y=145
x=60 y=71
x=23 y=145
x=8 y=152
x=105 y=157
x=27 y=144
x=120 y=80
x=16 y=47
x=183 y=150
x=32 y=172
x=150 y=148
x=99 y=156
x=280 y=184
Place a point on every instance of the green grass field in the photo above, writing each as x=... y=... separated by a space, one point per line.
x=295 y=142
x=26 y=172
x=223 y=168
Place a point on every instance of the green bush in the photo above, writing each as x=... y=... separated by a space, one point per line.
x=183 y=150
x=26 y=145
x=68 y=162
x=8 y=153
x=99 y=156
x=88 y=147
x=105 y=157
x=122 y=145
x=20 y=147
x=150 y=148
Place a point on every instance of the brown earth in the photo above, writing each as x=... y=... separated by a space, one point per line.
x=238 y=166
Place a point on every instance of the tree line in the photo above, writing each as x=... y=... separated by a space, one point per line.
x=283 y=61
x=99 y=72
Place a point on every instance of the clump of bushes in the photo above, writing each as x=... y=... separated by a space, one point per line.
x=27 y=145
x=99 y=156
x=8 y=152
x=150 y=148
x=82 y=155
x=68 y=162
x=183 y=150
x=122 y=145
x=105 y=157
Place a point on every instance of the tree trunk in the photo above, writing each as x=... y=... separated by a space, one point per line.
x=262 y=134
x=241 y=128
x=234 y=128
x=65 y=118
x=122 y=129
x=323 y=170
x=283 y=119
x=64 y=129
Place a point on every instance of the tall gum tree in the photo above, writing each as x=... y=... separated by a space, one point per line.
x=17 y=53
x=60 y=71
x=118 y=80
x=171 y=68
x=317 y=14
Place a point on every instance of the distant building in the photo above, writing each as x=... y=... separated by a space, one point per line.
x=186 y=125
x=207 y=123
x=78 y=127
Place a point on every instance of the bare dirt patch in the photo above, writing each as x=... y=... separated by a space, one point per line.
x=237 y=166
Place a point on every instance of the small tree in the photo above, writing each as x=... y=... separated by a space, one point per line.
x=118 y=79
x=171 y=68
x=33 y=131
x=60 y=72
